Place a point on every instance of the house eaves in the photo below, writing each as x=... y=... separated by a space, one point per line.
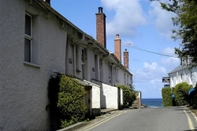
x=116 y=61
x=73 y=30
x=92 y=43
x=179 y=68
x=76 y=33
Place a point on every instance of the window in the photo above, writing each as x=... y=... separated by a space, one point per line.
x=28 y=38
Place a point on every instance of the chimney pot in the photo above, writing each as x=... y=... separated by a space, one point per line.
x=100 y=10
x=117 y=36
x=101 y=27
x=117 y=44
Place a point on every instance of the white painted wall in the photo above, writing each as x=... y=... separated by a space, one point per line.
x=183 y=75
x=121 y=97
x=24 y=86
x=122 y=77
x=70 y=58
x=105 y=71
x=96 y=97
x=109 y=96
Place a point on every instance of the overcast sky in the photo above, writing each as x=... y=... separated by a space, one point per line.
x=139 y=23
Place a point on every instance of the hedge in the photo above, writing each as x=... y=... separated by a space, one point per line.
x=167 y=96
x=181 y=93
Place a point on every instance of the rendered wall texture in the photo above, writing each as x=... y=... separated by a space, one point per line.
x=185 y=75
x=109 y=96
x=23 y=86
x=24 y=100
x=96 y=97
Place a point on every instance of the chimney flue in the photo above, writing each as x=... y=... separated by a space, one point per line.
x=100 y=10
x=101 y=27
x=117 y=44
x=126 y=59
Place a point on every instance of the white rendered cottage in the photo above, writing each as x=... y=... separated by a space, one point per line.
x=37 y=41
x=183 y=73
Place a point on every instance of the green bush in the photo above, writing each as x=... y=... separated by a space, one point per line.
x=128 y=95
x=132 y=97
x=167 y=96
x=71 y=101
x=181 y=93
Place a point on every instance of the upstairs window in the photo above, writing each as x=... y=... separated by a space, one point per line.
x=28 y=38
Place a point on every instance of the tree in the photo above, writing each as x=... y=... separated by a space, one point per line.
x=186 y=20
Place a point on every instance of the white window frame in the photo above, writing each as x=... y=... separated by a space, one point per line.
x=28 y=37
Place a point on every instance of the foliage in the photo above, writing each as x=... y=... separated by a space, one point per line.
x=128 y=95
x=71 y=101
x=53 y=90
x=167 y=96
x=192 y=98
x=181 y=93
x=186 y=19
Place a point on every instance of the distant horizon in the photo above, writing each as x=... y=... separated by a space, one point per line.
x=151 y=98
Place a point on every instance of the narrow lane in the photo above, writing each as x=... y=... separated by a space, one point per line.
x=150 y=119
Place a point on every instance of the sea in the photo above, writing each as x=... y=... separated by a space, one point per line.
x=152 y=102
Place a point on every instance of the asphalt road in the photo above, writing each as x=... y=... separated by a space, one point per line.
x=149 y=119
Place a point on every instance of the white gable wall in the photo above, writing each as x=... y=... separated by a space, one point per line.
x=24 y=86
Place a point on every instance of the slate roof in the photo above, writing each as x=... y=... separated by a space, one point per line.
x=180 y=67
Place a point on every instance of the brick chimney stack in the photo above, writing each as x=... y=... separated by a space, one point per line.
x=101 y=27
x=117 y=44
x=126 y=59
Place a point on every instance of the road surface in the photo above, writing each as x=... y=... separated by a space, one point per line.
x=149 y=119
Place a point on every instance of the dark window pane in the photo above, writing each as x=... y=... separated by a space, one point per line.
x=27 y=50
x=27 y=25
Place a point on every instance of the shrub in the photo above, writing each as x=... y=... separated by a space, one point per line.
x=181 y=93
x=71 y=101
x=132 y=97
x=167 y=96
x=128 y=95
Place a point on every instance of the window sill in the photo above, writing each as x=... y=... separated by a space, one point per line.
x=31 y=64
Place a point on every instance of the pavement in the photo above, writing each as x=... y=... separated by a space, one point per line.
x=81 y=124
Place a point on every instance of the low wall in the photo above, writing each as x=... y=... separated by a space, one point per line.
x=96 y=107
x=109 y=96
x=95 y=99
